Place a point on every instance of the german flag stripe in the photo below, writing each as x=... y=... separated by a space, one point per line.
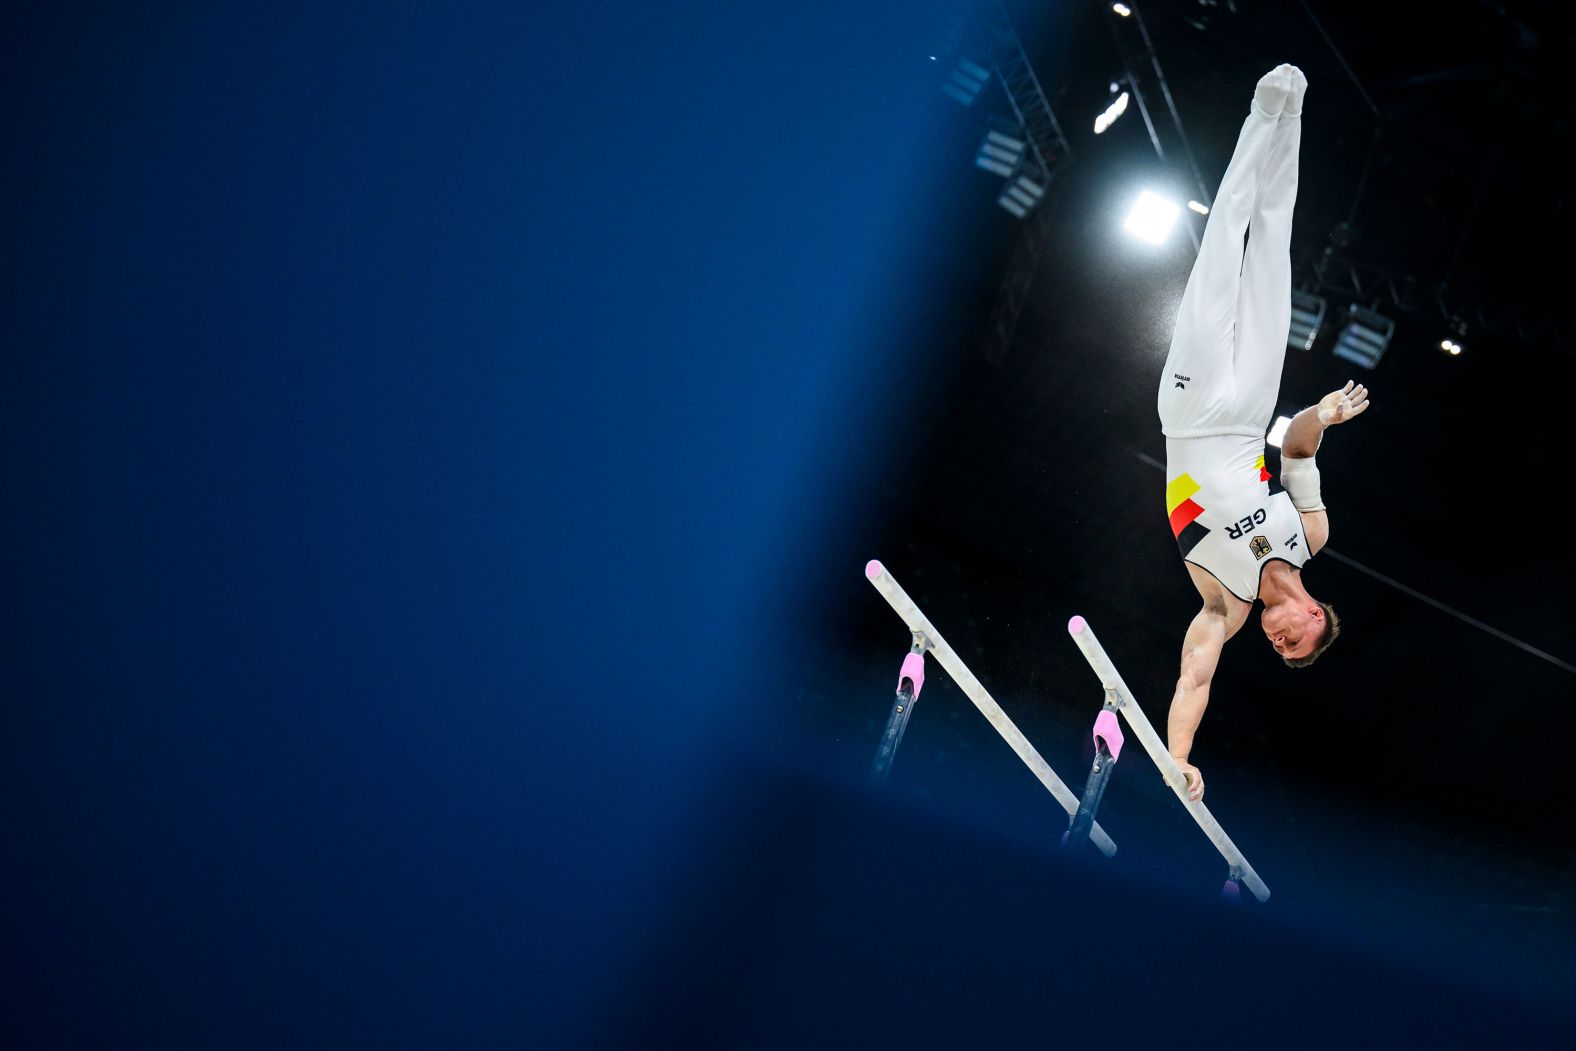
x=1264 y=472
x=1179 y=489
x=1182 y=516
x=1188 y=539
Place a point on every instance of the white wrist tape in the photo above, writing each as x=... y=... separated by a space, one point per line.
x=1300 y=476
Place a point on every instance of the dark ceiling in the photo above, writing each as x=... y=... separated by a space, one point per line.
x=1437 y=132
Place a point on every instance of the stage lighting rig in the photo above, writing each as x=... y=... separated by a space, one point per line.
x=965 y=81
x=1307 y=314
x=1365 y=338
x=1001 y=151
x=1021 y=194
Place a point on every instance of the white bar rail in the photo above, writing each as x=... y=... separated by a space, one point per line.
x=972 y=688
x=1083 y=635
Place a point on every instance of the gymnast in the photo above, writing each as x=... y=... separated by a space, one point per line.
x=1217 y=395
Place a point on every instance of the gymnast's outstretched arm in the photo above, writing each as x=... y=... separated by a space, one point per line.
x=1299 y=472
x=1200 y=654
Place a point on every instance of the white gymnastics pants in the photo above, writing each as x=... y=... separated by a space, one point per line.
x=1223 y=373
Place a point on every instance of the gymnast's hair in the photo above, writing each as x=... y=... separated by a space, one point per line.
x=1332 y=628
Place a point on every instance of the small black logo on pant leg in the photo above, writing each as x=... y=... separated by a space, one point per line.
x=1291 y=542
x=1181 y=379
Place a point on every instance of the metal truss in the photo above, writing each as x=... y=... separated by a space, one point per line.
x=1024 y=93
x=1048 y=152
x=1017 y=283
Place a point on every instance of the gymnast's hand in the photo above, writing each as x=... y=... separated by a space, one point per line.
x=1195 y=780
x=1341 y=405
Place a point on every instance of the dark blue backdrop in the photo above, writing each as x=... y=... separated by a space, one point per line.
x=409 y=408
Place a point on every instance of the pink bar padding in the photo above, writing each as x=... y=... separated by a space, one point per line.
x=914 y=669
x=1076 y=626
x=1106 y=726
x=873 y=568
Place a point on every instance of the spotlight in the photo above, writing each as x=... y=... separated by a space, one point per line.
x=1201 y=209
x=1113 y=111
x=1122 y=9
x=1451 y=347
x=1152 y=218
x=1365 y=338
x=1307 y=314
x=1278 y=431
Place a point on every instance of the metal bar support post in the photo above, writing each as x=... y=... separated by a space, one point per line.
x=975 y=691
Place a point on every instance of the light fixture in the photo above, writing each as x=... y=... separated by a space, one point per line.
x=1122 y=9
x=1000 y=151
x=1451 y=347
x=1152 y=218
x=1201 y=209
x=1365 y=338
x=1021 y=195
x=1278 y=431
x=965 y=81
x=1307 y=314
x=1113 y=111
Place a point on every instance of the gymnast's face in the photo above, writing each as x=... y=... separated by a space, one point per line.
x=1293 y=627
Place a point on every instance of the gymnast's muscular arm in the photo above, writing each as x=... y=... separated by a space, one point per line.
x=1216 y=622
